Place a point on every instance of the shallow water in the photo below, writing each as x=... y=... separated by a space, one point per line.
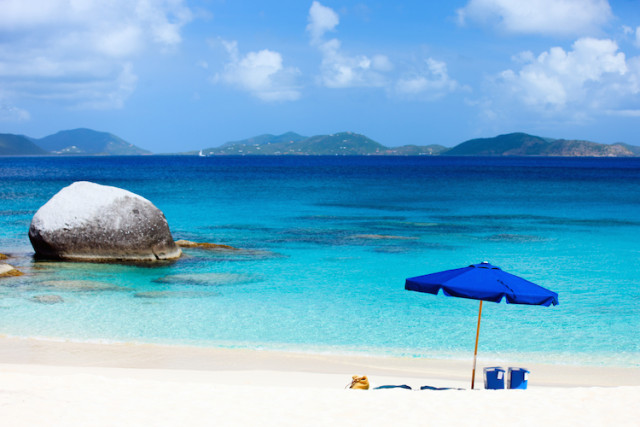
x=328 y=242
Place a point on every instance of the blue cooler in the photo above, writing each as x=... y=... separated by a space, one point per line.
x=517 y=378
x=494 y=378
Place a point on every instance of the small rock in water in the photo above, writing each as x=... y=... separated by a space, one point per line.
x=7 y=270
x=47 y=299
x=3 y=256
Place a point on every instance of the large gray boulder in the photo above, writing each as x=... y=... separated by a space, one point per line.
x=92 y=222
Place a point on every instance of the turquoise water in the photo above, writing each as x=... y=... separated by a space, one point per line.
x=327 y=243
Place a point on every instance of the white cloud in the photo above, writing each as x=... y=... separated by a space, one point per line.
x=433 y=81
x=157 y=20
x=594 y=76
x=339 y=69
x=638 y=37
x=10 y=113
x=321 y=19
x=163 y=18
x=553 y=17
x=79 y=53
x=260 y=73
x=121 y=42
x=342 y=71
x=381 y=63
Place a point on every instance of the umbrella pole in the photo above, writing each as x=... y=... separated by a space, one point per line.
x=475 y=351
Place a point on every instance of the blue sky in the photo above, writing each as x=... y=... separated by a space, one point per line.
x=177 y=75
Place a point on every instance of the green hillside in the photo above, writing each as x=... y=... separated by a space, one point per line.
x=267 y=139
x=18 y=145
x=632 y=148
x=513 y=144
x=343 y=143
x=522 y=144
x=418 y=150
x=88 y=142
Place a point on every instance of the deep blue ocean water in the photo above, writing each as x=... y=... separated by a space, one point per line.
x=327 y=243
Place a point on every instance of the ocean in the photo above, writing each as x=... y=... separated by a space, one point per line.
x=326 y=244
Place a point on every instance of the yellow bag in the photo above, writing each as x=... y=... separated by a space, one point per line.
x=359 y=383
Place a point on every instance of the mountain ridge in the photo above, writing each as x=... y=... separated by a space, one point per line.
x=84 y=141
x=88 y=142
x=80 y=141
x=341 y=143
x=522 y=144
x=18 y=145
x=349 y=143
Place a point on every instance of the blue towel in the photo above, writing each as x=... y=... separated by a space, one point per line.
x=428 y=387
x=383 y=387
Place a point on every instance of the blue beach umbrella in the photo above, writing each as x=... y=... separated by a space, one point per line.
x=484 y=282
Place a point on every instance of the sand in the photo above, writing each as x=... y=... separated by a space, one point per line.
x=64 y=383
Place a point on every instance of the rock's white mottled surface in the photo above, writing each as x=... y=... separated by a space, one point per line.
x=77 y=204
x=92 y=222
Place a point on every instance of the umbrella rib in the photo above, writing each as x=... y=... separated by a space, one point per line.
x=513 y=293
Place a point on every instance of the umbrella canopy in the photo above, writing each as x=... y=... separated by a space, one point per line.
x=484 y=282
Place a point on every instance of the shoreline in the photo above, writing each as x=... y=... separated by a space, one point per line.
x=440 y=372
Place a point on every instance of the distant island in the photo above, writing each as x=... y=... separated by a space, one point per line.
x=84 y=142
x=353 y=144
x=522 y=144
x=90 y=142
x=338 y=144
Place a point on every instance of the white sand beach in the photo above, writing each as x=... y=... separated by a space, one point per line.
x=64 y=383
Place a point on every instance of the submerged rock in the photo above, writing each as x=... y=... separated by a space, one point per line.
x=208 y=279
x=382 y=237
x=515 y=238
x=204 y=245
x=228 y=251
x=174 y=294
x=47 y=299
x=80 y=285
x=7 y=270
x=92 y=222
